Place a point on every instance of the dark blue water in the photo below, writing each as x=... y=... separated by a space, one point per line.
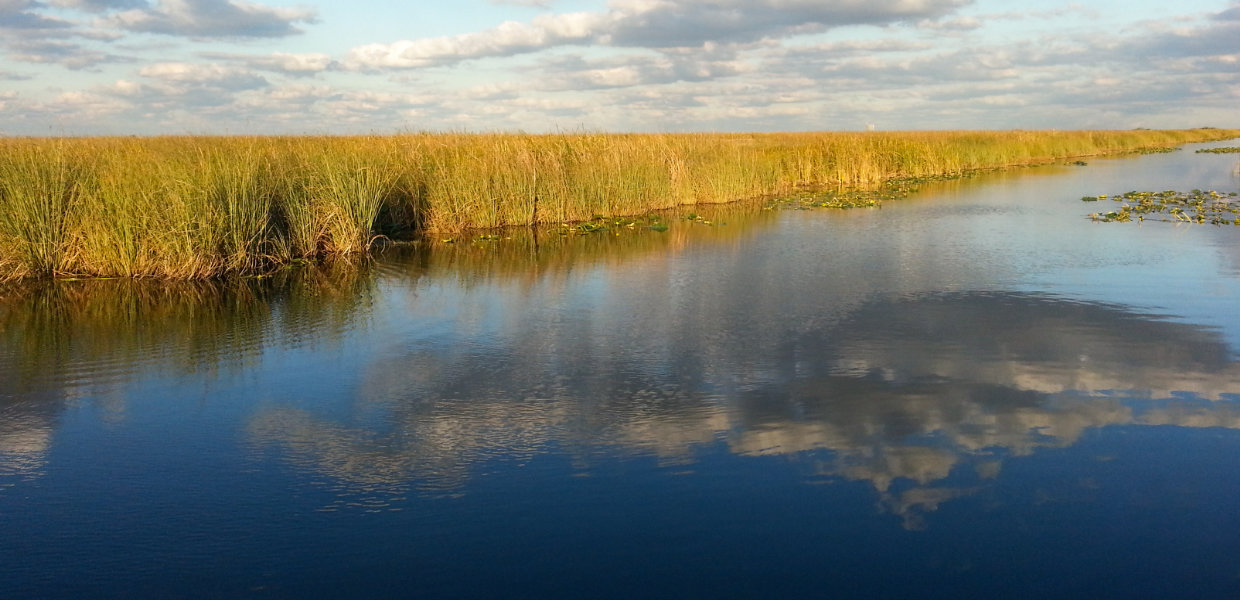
x=974 y=392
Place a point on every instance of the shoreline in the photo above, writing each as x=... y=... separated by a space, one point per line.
x=211 y=207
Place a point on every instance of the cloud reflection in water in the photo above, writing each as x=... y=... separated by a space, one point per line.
x=899 y=393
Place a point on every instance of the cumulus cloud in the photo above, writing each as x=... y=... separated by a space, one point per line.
x=212 y=19
x=20 y=15
x=508 y=38
x=287 y=63
x=670 y=23
x=532 y=3
x=294 y=63
x=294 y=106
x=813 y=60
x=632 y=65
x=970 y=65
x=98 y=5
x=32 y=31
x=661 y=24
x=31 y=37
x=958 y=24
x=217 y=76
x=491 y=92
x=83 y=104
x=192 y=89
x=1219 y=36
x=575 y=73
x=6 y=98
x=67 y=54
x=1231 y=14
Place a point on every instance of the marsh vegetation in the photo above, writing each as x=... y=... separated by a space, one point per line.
x=1196 y=206
x=202 y=207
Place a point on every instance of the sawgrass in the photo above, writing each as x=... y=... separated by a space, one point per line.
x=204 y=207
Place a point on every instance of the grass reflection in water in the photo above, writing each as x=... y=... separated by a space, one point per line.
x=94 y=330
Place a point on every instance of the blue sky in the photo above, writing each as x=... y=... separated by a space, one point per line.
x=118 y=67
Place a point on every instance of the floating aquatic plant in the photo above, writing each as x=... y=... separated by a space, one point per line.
x=600 y=224
x=842 y=199
x=1227 y=150
x=1196 y=206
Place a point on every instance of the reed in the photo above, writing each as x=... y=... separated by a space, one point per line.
x=202 y=207
x=40 y=185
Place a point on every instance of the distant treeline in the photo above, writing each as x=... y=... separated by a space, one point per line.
x=202 y=207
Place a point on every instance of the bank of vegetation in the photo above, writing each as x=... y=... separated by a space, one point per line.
x=203 y=207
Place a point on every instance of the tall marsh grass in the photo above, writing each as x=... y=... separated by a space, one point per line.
x=40 y=187
x=201 y=207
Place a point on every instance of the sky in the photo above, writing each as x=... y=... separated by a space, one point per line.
x=149 y=67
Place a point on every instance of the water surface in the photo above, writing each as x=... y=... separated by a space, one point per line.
x=975 y=391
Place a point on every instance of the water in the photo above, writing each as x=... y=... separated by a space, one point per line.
x=972 y=392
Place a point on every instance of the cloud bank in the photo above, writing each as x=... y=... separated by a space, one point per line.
x=659 y=24
x=139 y=66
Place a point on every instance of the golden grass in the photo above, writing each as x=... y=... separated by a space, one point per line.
x=201 y=207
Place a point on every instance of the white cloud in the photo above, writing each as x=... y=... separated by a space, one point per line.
x=125 y=88
x=19 y=16
x=288 y=63
x=632 y=65
x=300 y=93
x=1220 y=36
x=294 y=63
x=678 y=23
x=84 y=105
x=203 y=75
x=650 y=23
x=531 y=3
x=574 y=73
x=212 y=19
x=70 y=55
x=1231 y=14
x=493 y=91
x=97 y=5
x=508 y=38
x=958 y=24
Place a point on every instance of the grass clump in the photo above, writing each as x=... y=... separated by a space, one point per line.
x=203 y=207
x=40 y=186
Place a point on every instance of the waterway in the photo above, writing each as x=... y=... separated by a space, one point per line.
x=972 y=392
